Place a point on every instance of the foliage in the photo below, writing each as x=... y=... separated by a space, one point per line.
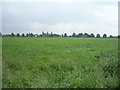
x=47 y=34
x=98 y=36
x=104 y=35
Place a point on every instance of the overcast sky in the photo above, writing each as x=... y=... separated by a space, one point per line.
x=60 y=16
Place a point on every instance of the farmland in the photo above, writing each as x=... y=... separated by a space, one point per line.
x=30 y=62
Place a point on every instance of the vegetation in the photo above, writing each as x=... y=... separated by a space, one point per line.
x=0 y=61
x=60 y=62
x=80 y=35
x=104 y=35
x=98 y=36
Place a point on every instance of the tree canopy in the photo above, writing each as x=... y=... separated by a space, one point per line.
x=51 y=34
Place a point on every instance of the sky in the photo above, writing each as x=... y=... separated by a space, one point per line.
x=60 y=16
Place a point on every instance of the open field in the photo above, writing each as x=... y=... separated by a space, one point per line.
x=60 y=62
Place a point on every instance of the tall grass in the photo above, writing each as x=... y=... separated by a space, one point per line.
x=0 y=62
x=60 y=63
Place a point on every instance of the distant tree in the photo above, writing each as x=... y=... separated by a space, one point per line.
x=0 y=34
x=92 y=35
x=111 y=36
x=73 y=35
x=118 y=36
x=51 y=34
x=27 y=35
x=47 y=34
x=40 y=35
x=12 y=34
x=23 y=35
x=80 y=35
x=104 y=36
x=65 y=34
x=98 y=36
x=86 y=35
x=62 y=35
x=69 y=36
x=18 y=35
x=31 y=34
x=56 y=35
x=43 y=34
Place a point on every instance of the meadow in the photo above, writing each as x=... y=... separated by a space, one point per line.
x=29 y=62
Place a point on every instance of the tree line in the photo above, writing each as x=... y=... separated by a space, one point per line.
x=80 y=35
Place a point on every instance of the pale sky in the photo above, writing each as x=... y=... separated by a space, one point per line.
x=60 y=16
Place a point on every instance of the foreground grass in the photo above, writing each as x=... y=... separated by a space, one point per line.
x=60 y=63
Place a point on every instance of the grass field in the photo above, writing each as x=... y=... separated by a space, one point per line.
x=60 y=62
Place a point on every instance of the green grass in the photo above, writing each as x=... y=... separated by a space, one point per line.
x=0 y=62
x=60 y=62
